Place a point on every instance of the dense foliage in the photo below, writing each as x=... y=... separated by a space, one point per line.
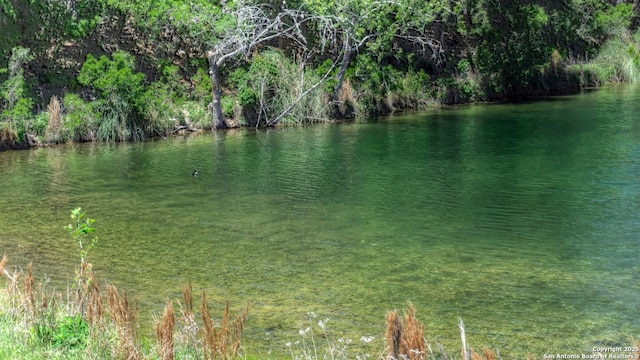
x=129 y=70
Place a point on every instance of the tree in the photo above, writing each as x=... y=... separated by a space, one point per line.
x=233 y=33
x=12 y=91
x=6 y=10
x=375 y=24
x=512 y=42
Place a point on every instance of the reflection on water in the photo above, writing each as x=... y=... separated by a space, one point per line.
x=521 y=219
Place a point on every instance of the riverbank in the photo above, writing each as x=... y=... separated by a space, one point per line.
x=92 y=322
x=111 y=72
x=192 y=120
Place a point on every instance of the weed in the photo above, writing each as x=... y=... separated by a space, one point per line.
x=164 y=332
x=124 y=318
x=71 y=331
x=221 y=342
x=318 y=342
x=79 y=229
x=55 y=131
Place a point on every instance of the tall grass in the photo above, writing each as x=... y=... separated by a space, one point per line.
x=316 y=341
x=280 y=91
x=80 y=118
x=309 y=108
x=405 y=338
x=616 y=62
x=124 y=319
x=164 y=332
x=55 y=132
x=87 y=323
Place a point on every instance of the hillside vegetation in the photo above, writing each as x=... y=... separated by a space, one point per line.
x=86 y=70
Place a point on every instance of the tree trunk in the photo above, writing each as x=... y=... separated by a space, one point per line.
x=216 y=110
x=346 y=59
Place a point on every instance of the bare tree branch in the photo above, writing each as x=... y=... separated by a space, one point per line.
x=303 y=93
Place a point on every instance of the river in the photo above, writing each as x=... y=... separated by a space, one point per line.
x=523 y=220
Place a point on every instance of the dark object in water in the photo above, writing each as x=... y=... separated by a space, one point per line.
x=195 y=173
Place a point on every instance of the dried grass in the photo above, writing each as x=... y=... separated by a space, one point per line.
x=95 y=307
x=189 y=326
x=187 y=297
x=393 y=335
x=346 y=100
x=164 y=332
x=124 y=318
x=28 y=292
x=220 y=342
x=413 y=341
x=13 y=285
x=487 y=354
x=3 y=263
x=405 y=338
x=8 y=136
x=55 y=132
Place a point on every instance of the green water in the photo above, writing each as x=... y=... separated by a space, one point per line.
x=522 y=219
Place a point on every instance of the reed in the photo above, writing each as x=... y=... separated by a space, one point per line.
x=346 y=100
x=413 y=340
x=188 y=332
x=405 y=338
x=28 y=293
x=124 y=318
x=3 y=263
x=238 y=328
x=187 y=297
x=487 y=354
x=393 y=335
x=164 y=332
x=55 y=131
x=209 y=333
x=95 y=307
x=220 y=342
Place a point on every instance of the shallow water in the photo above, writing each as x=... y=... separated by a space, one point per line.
x=523 y=220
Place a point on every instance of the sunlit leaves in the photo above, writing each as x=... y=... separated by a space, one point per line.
x=7 y=10
x=112 y=77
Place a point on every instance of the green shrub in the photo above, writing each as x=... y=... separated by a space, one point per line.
x=117 y=123
x=201 y=86
x=616 y=61
x=122 y=93
x=271 y=84
x=228 y=105
x=80 y=118
x=159 y=109
x=375 y=85
x=414 y=91
x=195 y=114
x=68 y=332
x=71 y=331
x=114 y=76
x=17 y=107
x=39 y=123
